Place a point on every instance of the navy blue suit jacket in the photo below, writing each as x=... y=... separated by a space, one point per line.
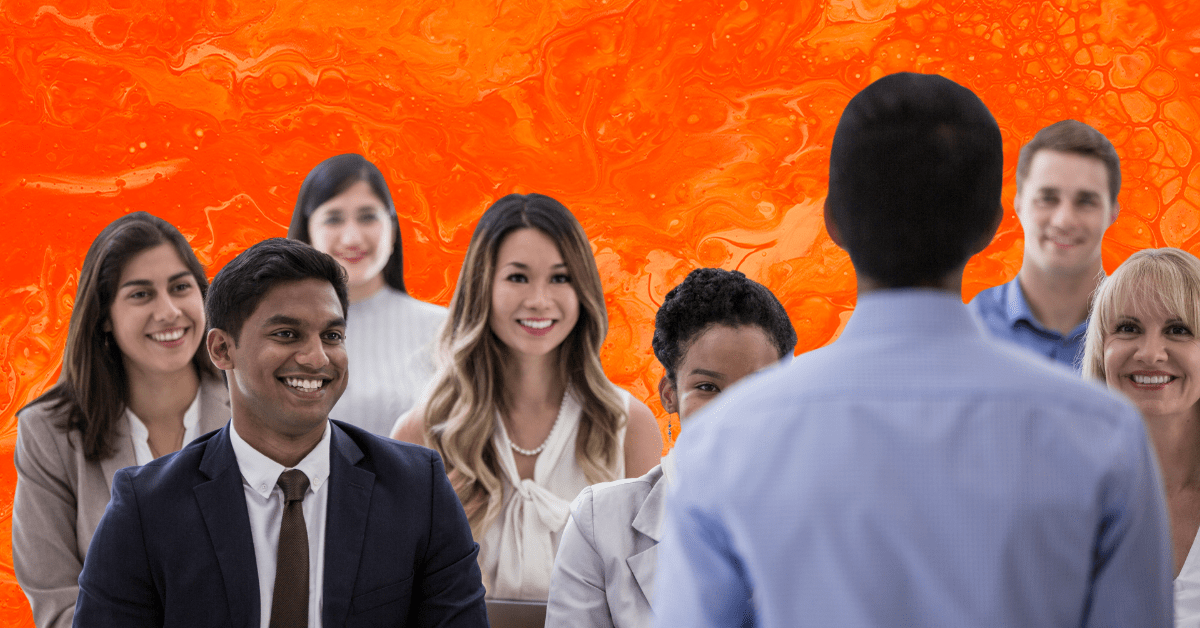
x=174 y=547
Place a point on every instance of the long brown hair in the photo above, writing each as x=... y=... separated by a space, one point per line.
x=93 y=389
x=460 y=412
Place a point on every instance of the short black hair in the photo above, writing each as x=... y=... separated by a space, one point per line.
x=914 y=178
x=711 y=296
x=238 y=289
x=332 y=177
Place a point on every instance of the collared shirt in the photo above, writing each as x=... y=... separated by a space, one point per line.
x=1005 y=313
x=264 y=501
x=141 y=434
x=916 y=473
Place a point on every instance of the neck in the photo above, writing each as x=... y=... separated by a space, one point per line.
x=951 y=283
x=533 y=382
x=365 y=290
x=160 y=398
x=1059 y=301
x=1176 y=440
x=286 y=449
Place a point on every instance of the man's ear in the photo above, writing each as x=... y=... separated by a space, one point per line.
x=668 y=395
x=832 y=229
x=1116 y=211
x=220 y=349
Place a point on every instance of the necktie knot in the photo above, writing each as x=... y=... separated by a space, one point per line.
x=294 y=484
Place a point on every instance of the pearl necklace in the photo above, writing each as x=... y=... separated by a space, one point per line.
x=537 y=450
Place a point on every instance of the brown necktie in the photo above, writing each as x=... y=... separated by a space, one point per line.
x=289 y=602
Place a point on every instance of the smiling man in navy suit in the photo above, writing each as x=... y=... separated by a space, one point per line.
x=283 y=518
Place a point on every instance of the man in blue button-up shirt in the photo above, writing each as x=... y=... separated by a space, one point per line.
x=915 y=472
x=1068 y=177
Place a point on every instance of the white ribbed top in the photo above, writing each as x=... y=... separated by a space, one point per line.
x=390 y=339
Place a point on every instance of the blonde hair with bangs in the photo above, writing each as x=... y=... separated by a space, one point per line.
x=1166 y=278
x=468 y=391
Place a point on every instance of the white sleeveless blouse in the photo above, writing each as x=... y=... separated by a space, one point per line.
x=1187 y=589
x=517 y=552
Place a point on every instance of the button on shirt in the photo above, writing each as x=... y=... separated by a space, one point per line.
x=264 y=502
x=1005 y=313
x=915 y=473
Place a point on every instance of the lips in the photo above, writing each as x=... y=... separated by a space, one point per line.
x=1151 y=380
x=352 y=258
x=536 y=326
x=169 y=337
x=305 y=385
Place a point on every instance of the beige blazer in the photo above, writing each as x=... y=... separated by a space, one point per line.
x=61 y=496
x=604 y=571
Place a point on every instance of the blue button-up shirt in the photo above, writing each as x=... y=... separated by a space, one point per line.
x=915 y=473
x=1006 y=314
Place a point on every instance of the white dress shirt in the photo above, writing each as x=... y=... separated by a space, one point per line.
x=141 y=435
x=264 y=502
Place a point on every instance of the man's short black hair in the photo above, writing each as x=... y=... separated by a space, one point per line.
x=711 y=296
x=914 y=179
x=237 y=290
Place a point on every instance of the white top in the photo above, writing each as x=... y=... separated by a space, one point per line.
x=390 y=339
x=517 y=552
x=141 y=435
x=1187 y=590
x=264 y=502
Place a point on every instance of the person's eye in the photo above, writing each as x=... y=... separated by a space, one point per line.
x=369 y=218
x=517 y=278
x=138 y=294
x=332 y=220
x=1179 y=330
x=284 y=333
x=560 y=278
x=334 y=337
x=1125 y=327
x=183 y=286
x=708 y=387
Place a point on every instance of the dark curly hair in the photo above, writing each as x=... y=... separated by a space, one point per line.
x=710 y=296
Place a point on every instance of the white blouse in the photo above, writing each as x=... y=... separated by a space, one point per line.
x=517 y=551
x=390 y=338
x=1187 y=590
x=141 y=435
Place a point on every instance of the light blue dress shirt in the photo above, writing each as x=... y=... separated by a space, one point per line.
x=915 y=473
x=1006 y=314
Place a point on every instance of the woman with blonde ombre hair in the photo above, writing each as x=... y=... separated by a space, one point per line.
x=520 y=409
x=1141 y=340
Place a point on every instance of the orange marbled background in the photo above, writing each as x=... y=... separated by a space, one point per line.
x=681 y=132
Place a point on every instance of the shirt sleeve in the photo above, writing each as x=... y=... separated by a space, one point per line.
x=577 y=586
x=116 y=587
x=450 y=592
x=701 y=580
x=46 y=553
x=1132 y=584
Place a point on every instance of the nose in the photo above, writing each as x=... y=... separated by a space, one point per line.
x=166 y=309
x=311 y=353
x=351 y=234
x=538 y=297
x=1151 y=349
x=1063 y=216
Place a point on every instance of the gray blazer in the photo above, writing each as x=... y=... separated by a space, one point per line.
x=61 y=496
x=604 y=571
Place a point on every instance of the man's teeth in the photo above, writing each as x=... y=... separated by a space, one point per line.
x=542 y=324
x=1151 y=379
x=169 y=335
x=307 y=385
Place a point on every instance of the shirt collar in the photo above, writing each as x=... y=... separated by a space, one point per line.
x=261 y=473
x=191 y=417
x=920 y=311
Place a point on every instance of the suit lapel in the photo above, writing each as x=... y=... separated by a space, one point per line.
x=222 y=503
x=123 y=456
x=648 y=522
x=345 y=525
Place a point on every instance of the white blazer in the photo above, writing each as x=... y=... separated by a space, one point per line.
x=604 y=570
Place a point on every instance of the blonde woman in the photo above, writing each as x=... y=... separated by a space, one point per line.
x=1141 y=340
x=521 y=410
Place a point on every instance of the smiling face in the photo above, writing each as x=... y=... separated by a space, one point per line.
x=157 y=315
x=288 y=367
x=718 y=357
x=355 y=228
x=1153 y=357
x=534 y=304
x=1064 y=207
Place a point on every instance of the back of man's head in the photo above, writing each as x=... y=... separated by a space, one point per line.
x=238 y=289
x=914 y=179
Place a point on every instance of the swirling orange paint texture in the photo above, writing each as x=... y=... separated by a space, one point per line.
x=683 y=133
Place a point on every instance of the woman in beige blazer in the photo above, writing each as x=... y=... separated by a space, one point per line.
x=136 y=383
x=712 y=330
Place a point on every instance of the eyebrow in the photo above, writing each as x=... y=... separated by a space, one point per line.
x=524 y=266
x=707 y=373
x=147 y=282
x=283 y=319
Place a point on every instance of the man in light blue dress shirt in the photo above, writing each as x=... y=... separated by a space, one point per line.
x=915 y=472
x=1068 y=177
